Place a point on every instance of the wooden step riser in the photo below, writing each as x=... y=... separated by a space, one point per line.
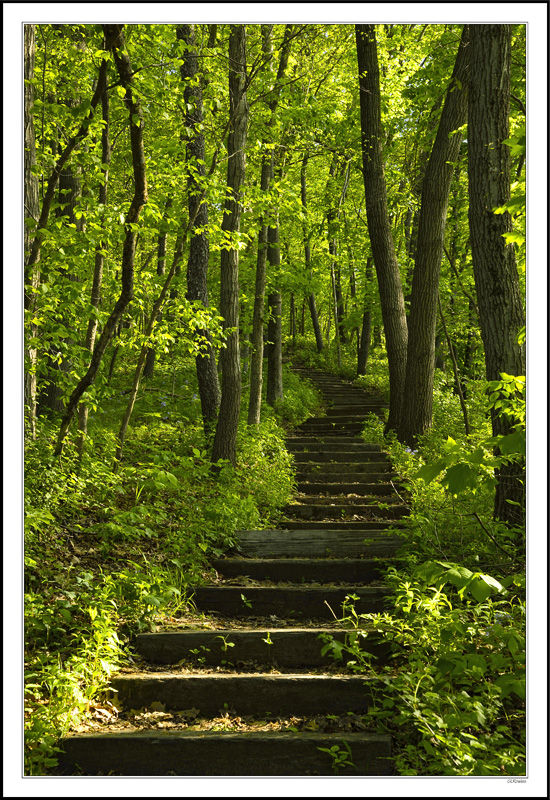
x=339 y=540
x=328 y=512
x=288 y=602
x=314 y=448
x=336 y=457
x=363 y=525
x=293 y=648
x=334 y=489
x=336 y=419
x=319 y=441
x=371 y=501
x=300 y=570
x=356 y=468
x=258 y=694
x=206 y=754
x=351 y=479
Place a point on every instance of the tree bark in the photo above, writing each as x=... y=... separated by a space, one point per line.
x=366 y=328
x=99 y=258
x=416 y=413
x=115 y=38
x=274 y=389
x=225 y=439
x=257 y=339
x=307 y=254
x=199 y=251
x=383 y=250
x=500 y=303
x=32 y=211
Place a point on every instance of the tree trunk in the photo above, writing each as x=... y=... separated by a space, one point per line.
x=416 y=413
x=257 y=340
x=197 y=265
x=274 y=389
x=307 y=254
x=115 y=39
x=364 y=343
x=32 y=211
x=99 y=258
x=383 y=250
x=225 y=439
x=497 y=285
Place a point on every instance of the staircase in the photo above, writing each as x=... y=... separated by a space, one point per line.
x=343 y=523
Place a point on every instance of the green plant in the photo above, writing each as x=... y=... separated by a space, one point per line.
x=341 y=756
x=453 y=696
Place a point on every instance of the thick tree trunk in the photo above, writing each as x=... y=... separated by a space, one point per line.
x=197 y=265
x=225 y=439
x=416 y=413
x=383 y=250
x=497 y=285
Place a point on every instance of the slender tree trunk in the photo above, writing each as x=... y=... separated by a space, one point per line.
x=364 y=344
x=292 y=330
x=99 y=259
x=32 y=211
x=497 y=285
x=416 y=413
x=274 y=389
x=257 y=340
x=383 y=250
x=115 y=38
x=162 y=240
x=225 y=439
x=197 y=265
x=333 y=216
x=307 y=254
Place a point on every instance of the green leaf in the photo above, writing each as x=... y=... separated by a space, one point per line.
x=431 y=471
x=479 y=589
x=460 y=477
x=513 y=443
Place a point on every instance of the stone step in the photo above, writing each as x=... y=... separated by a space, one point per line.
x=284 y=647
x=300 y=570
x=245 y=693
x=205 y=753
x=292 y=602
x=302 y=540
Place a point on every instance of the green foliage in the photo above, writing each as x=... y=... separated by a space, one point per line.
x=453 y=695
x=341 y=756
x=108 y=556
